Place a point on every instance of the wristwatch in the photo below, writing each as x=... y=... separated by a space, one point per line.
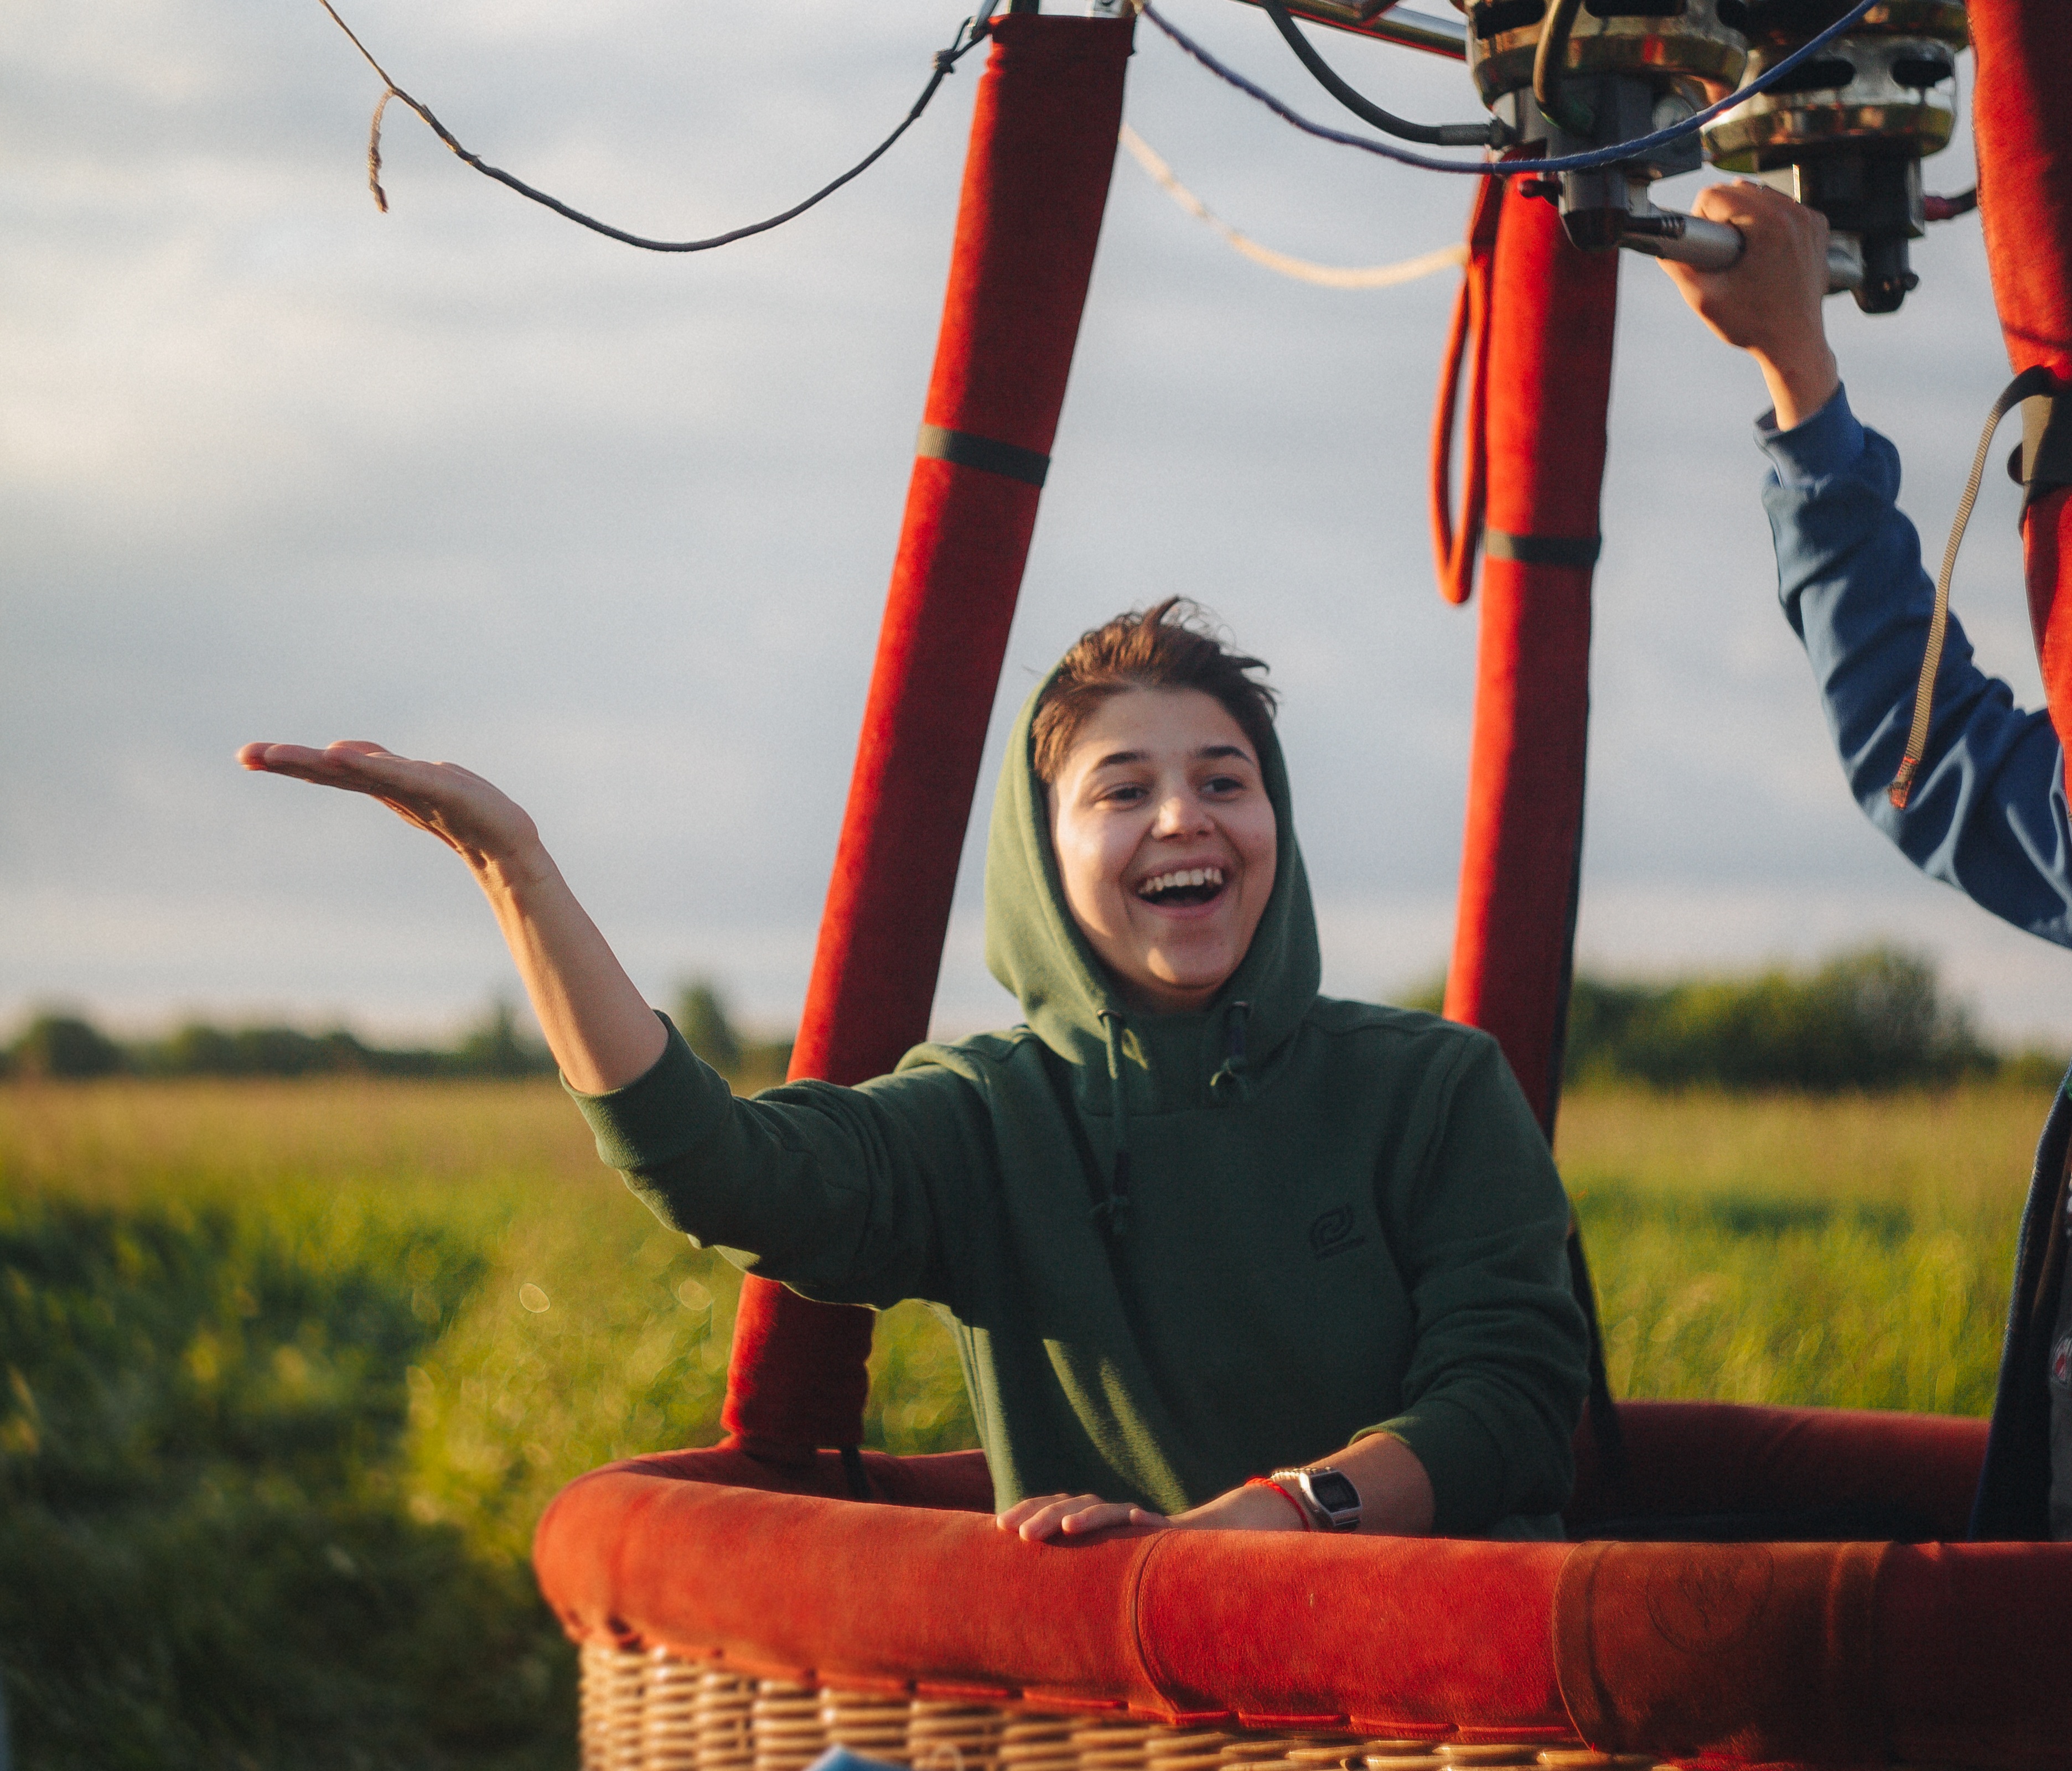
x=1327 y=1495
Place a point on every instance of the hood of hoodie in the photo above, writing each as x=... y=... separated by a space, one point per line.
x=1069 y=998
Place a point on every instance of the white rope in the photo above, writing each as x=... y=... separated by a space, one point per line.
x=1301 y=269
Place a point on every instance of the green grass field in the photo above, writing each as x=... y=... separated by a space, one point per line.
x=290 y=1369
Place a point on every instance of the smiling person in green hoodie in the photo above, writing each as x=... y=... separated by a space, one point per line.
x=1218 y=1251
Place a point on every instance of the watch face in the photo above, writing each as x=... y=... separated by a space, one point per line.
x=1334 y=1492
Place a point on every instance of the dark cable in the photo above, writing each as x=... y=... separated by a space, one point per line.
x=1491 y=134
x=968 y=37
x=1549 y=65
x=1639 y=146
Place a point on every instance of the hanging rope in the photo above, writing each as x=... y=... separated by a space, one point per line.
x=1301 y=269
x=969 y=35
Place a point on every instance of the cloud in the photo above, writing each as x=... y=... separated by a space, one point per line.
x=615 y=528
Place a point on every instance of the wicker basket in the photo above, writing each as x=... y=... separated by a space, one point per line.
x=645 y=1710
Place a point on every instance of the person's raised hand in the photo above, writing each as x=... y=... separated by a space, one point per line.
x=477 y=820
x=1042 y=1517
x=1768 y=302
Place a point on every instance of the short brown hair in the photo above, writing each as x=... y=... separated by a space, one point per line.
x=1170 y=645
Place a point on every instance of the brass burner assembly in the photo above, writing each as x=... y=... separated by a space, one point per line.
x=1845 y=132
x=1671 y=45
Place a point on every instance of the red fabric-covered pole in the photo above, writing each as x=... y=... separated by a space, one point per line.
x=1043 y=147
x=2022 y=123
x=1551 y=311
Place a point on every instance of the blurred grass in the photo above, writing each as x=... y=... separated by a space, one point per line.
x=289 y=1370
x=1851 y=1252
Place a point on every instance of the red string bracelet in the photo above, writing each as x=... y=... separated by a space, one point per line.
x=1302 y=1512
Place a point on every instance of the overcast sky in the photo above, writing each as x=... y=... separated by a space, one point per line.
x=614 y=528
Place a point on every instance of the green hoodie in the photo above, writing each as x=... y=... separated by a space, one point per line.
x=1176 y=1251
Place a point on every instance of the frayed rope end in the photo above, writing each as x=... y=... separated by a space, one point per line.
x=374 y=152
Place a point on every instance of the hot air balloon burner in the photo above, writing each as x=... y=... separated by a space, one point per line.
x=1846 y=133
x=1627 y=68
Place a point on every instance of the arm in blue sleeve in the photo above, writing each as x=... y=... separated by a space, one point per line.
x=1988 y=814
x=850 y=1195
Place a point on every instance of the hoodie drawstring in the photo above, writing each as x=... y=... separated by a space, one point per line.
x=1229 y=1081
x=1112 y=1213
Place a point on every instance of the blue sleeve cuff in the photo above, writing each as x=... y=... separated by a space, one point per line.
x=1829 y=443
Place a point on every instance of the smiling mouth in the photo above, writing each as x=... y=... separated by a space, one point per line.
x=1183 y=886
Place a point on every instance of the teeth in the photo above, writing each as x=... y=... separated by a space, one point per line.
x=1185 y=876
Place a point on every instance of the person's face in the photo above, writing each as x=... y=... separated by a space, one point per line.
x=1165 y=840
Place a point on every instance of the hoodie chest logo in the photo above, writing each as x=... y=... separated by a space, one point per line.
x=1332 y=1233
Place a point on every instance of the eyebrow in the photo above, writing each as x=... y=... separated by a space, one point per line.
x=1207 y=753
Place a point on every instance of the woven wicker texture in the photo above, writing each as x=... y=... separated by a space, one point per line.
x=645 y=1710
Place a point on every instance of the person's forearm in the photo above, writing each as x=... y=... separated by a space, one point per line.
x=1987 y=815
x=598 y=1026
x=1395 y=1492
x=1800 y=381
x=1396 y=1495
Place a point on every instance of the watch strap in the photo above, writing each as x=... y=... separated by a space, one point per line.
x=1297 y=1484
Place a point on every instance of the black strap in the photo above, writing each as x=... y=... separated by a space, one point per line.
x=1576 y=550
x=938 y=442
x=2043 y=462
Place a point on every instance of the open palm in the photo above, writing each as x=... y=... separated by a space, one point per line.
x=456 y=805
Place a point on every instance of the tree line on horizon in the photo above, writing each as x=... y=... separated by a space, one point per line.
x=1873 y=1019
x=62 y=1045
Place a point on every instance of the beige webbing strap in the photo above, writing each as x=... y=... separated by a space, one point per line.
x=2029 y=381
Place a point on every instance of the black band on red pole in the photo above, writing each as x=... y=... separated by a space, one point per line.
x=937 y=442
x=1579 y=550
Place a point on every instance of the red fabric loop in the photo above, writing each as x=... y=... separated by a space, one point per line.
x=1467 y=347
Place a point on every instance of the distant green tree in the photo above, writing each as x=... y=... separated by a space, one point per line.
x=1602 y=1017
x=702 y=1019
x=1870 y=1020
x=497 y=1048
x=65 y=1046
x=1428 y=997
x=195 y=1050
x=198 y=1049
x=1873 y=1019
x=280 y=1051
